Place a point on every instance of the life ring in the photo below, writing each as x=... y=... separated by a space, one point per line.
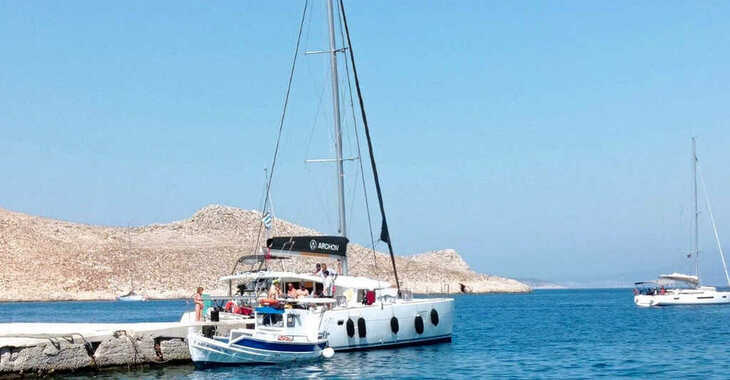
x=268 y=302
x=361 y=328
x=394 y=325
x=350 y=326
x=419 y=324
x=434 y=317
x=229 y=306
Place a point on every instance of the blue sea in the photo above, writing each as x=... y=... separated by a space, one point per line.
x=558 y=334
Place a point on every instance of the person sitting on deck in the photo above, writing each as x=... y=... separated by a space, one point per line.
x=292 y=292
x=198 y=299
x=302 y=292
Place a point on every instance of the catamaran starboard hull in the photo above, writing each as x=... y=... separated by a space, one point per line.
x=390 y=325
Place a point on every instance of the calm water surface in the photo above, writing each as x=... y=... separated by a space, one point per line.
x=546 y=334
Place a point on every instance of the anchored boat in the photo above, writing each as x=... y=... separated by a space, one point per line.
x=351 y=313
x=282 y=333
x=682 y=289
x=358 y=313
x=131 y=296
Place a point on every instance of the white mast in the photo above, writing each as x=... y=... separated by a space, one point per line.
x=338 y=130
x=697 y=213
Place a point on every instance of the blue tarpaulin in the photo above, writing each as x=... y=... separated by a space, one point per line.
x=269 y=310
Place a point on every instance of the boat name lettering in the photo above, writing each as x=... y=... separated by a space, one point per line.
x=313 y=244
x=285 y=338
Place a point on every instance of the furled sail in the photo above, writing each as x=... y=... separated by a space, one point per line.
x=316 y=245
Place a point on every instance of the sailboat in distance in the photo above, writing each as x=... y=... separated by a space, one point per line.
x=131 y=295
x=683 y=289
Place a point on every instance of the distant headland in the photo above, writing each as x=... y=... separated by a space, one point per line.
x=45 y=259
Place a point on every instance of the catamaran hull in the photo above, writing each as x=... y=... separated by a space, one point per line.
x=208 y=352
x=379 y=331
x=716 y=298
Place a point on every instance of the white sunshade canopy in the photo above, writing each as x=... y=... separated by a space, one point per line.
x=694 y=280
x=360 y=283
x=340 y=281
x=284 y=276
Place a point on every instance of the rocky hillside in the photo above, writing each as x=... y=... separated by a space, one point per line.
x=45 y=259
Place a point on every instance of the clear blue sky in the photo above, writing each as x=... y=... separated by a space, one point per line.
x=539 y=139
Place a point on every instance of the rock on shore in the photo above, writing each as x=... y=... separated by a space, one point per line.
x=46 y=259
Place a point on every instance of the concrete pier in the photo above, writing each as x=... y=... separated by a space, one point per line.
x=37 y=349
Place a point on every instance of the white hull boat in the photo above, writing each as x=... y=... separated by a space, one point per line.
x=704 y=295
x=402 y=323
x=682 y=289
x=354 y=322
x=209 y=352
x=132 y=297
x=279 y=336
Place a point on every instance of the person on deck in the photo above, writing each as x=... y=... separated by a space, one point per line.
x=198 y=299
x=274 y=290
x=324 y=272
x=317 y=269
x=292 y=292
x=302 y=292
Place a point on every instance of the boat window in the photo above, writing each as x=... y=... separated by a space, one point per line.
x=270 y=320
x=290 y=320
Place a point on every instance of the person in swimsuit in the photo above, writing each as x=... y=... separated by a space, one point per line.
x=198 y=299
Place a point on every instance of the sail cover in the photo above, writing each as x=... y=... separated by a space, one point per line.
x=694 y=280
x=319 y=245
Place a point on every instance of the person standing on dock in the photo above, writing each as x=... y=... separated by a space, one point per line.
x=198 y=299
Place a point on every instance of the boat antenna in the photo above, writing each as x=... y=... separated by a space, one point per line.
x=384 y=235
x=697 y=213
x=714 y=226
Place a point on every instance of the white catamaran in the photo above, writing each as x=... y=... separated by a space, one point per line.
x=683 y=289
x=352 y=313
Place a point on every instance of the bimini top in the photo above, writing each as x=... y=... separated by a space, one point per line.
x=694 y=280
x=286 y=276
x=360 y=283
x=340 y=281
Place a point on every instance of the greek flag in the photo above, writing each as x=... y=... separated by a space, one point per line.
x=267 y=220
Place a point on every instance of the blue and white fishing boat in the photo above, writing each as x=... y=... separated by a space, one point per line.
x=285 y=334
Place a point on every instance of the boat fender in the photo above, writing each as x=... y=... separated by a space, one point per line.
x=361 y=329
x=350 y=326
x=394 y=325
x=434 y=317
x=328 y=353
x=419 y=324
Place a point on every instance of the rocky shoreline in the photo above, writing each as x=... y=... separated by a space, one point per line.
x=51 y=260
